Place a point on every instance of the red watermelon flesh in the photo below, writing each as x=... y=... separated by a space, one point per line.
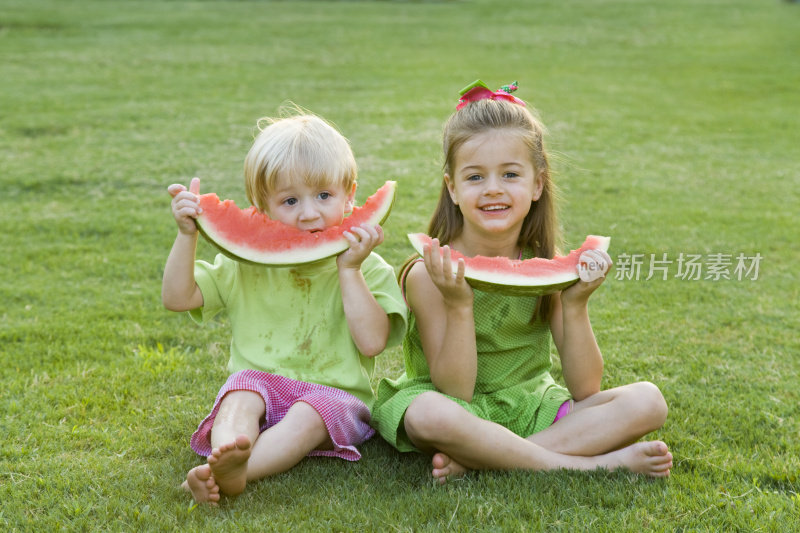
x=251 y=236
x=530 y=277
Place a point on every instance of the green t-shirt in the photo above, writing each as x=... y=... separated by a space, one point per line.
x=290 y=321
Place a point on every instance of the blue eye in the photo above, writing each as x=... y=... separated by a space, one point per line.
x=510 y=175
x=324 y=195
x=473 y=177
x=290 y=201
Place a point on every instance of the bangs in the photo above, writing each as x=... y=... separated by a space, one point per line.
x=298 y=149
x=318 y=165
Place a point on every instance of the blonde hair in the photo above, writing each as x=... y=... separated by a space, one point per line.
x=540 y=229
x=297 y=147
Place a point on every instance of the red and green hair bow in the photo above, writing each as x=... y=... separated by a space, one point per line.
x=478 y=90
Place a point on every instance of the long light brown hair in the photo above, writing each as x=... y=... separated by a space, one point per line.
x=540 y=229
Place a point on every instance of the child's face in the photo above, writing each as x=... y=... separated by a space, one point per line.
x=309 y=208
x=494 y=182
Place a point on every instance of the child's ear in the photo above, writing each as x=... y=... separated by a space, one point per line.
x=351 y=198
x=450 y=188
x=538 y=186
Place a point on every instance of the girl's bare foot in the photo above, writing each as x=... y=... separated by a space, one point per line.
x=445 y=468
x=201 y=484
x=649 y=458
x=228 y=465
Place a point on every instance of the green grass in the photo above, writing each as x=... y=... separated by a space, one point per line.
x=674 y=129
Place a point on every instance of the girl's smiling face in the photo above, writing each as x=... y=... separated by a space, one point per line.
x=494 y=183
x=307 y=207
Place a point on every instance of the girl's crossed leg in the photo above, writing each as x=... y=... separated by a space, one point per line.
x=240 y=454
x=461 y=441
x=606 y=421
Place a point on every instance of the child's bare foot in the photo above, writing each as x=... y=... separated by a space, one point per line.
x=649 y=458
x=445 y=468
x=201 y=484
x=228 y=464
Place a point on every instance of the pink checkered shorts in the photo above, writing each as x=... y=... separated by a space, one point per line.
x=345 y=416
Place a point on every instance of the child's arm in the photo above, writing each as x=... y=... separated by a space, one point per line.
x=366 y=319
x=179 y=292
x=442 y=303
x=581 y=359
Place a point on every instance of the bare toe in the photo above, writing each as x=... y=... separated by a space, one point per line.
x=202 y=485
x=440 y=461
x=228 y=464
x=650 y=458
x=445 y=468
x=656 y=448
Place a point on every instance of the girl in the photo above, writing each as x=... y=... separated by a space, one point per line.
x=477 y=392
x=303 y=337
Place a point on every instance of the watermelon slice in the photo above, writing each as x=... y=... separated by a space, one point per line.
x=252 y=237
x=529 y=277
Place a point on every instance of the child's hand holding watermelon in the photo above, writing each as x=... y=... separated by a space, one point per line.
x=593 y=266
x=363 y=239
x=185 y=207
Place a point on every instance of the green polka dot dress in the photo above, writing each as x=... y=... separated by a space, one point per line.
x=514 y=387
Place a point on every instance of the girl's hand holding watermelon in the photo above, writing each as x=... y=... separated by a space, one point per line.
x=593 y=266
x=185 y=207
x=454 y=288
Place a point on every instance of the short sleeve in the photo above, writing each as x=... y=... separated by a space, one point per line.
x=382 y=283
x=216 y=283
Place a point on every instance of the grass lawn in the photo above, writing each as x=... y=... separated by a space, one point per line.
x=674 y=127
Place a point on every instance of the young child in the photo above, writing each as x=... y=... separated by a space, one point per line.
x=303 y=337
x=477 y=391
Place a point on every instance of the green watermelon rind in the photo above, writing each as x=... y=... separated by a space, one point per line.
x=524 y=290
x=311 y=255
x=516 y=285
